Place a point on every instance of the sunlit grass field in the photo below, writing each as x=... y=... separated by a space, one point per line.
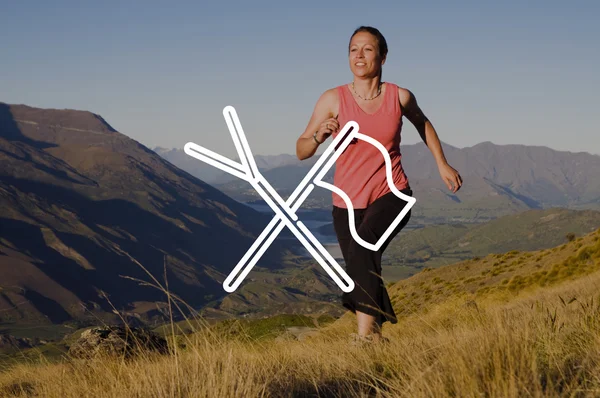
x=515 y=324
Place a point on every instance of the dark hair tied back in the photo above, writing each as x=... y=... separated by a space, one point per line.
x=382 y=44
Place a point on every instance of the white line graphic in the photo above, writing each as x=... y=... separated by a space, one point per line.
x=286 y=211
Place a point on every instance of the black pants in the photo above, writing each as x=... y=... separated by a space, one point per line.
x=364 y=265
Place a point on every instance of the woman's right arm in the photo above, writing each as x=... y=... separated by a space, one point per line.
x=323 y=121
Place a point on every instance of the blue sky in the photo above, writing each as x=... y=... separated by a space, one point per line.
x=507 y=72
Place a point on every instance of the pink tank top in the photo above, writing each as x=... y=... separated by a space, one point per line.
x=360 y=170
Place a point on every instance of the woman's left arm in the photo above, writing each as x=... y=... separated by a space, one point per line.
x=415 y=115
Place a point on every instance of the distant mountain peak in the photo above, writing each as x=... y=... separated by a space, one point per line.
x=68 y=118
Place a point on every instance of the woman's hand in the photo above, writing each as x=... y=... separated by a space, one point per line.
x=450 y=176
x=328 y=127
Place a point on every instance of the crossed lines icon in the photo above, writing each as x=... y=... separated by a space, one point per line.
x=285 y=212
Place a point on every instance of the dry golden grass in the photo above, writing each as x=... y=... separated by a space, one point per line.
x=539 y=341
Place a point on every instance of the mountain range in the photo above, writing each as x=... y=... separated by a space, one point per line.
x=213 y=175
x=498 y=180
x=90 y=218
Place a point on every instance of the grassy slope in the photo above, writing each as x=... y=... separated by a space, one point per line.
x=512 y=324
x=498 y=274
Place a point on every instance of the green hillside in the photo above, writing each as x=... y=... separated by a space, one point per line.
x=434 y=246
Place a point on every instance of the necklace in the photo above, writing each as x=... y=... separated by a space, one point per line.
x=367 y=99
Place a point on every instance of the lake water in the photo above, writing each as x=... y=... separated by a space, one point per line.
x=312 y=219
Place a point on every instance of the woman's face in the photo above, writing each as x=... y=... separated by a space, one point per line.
x=364 y=55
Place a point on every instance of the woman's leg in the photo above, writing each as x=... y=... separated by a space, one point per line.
x=367 y=325
x=341 y=223
x=370 y=300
